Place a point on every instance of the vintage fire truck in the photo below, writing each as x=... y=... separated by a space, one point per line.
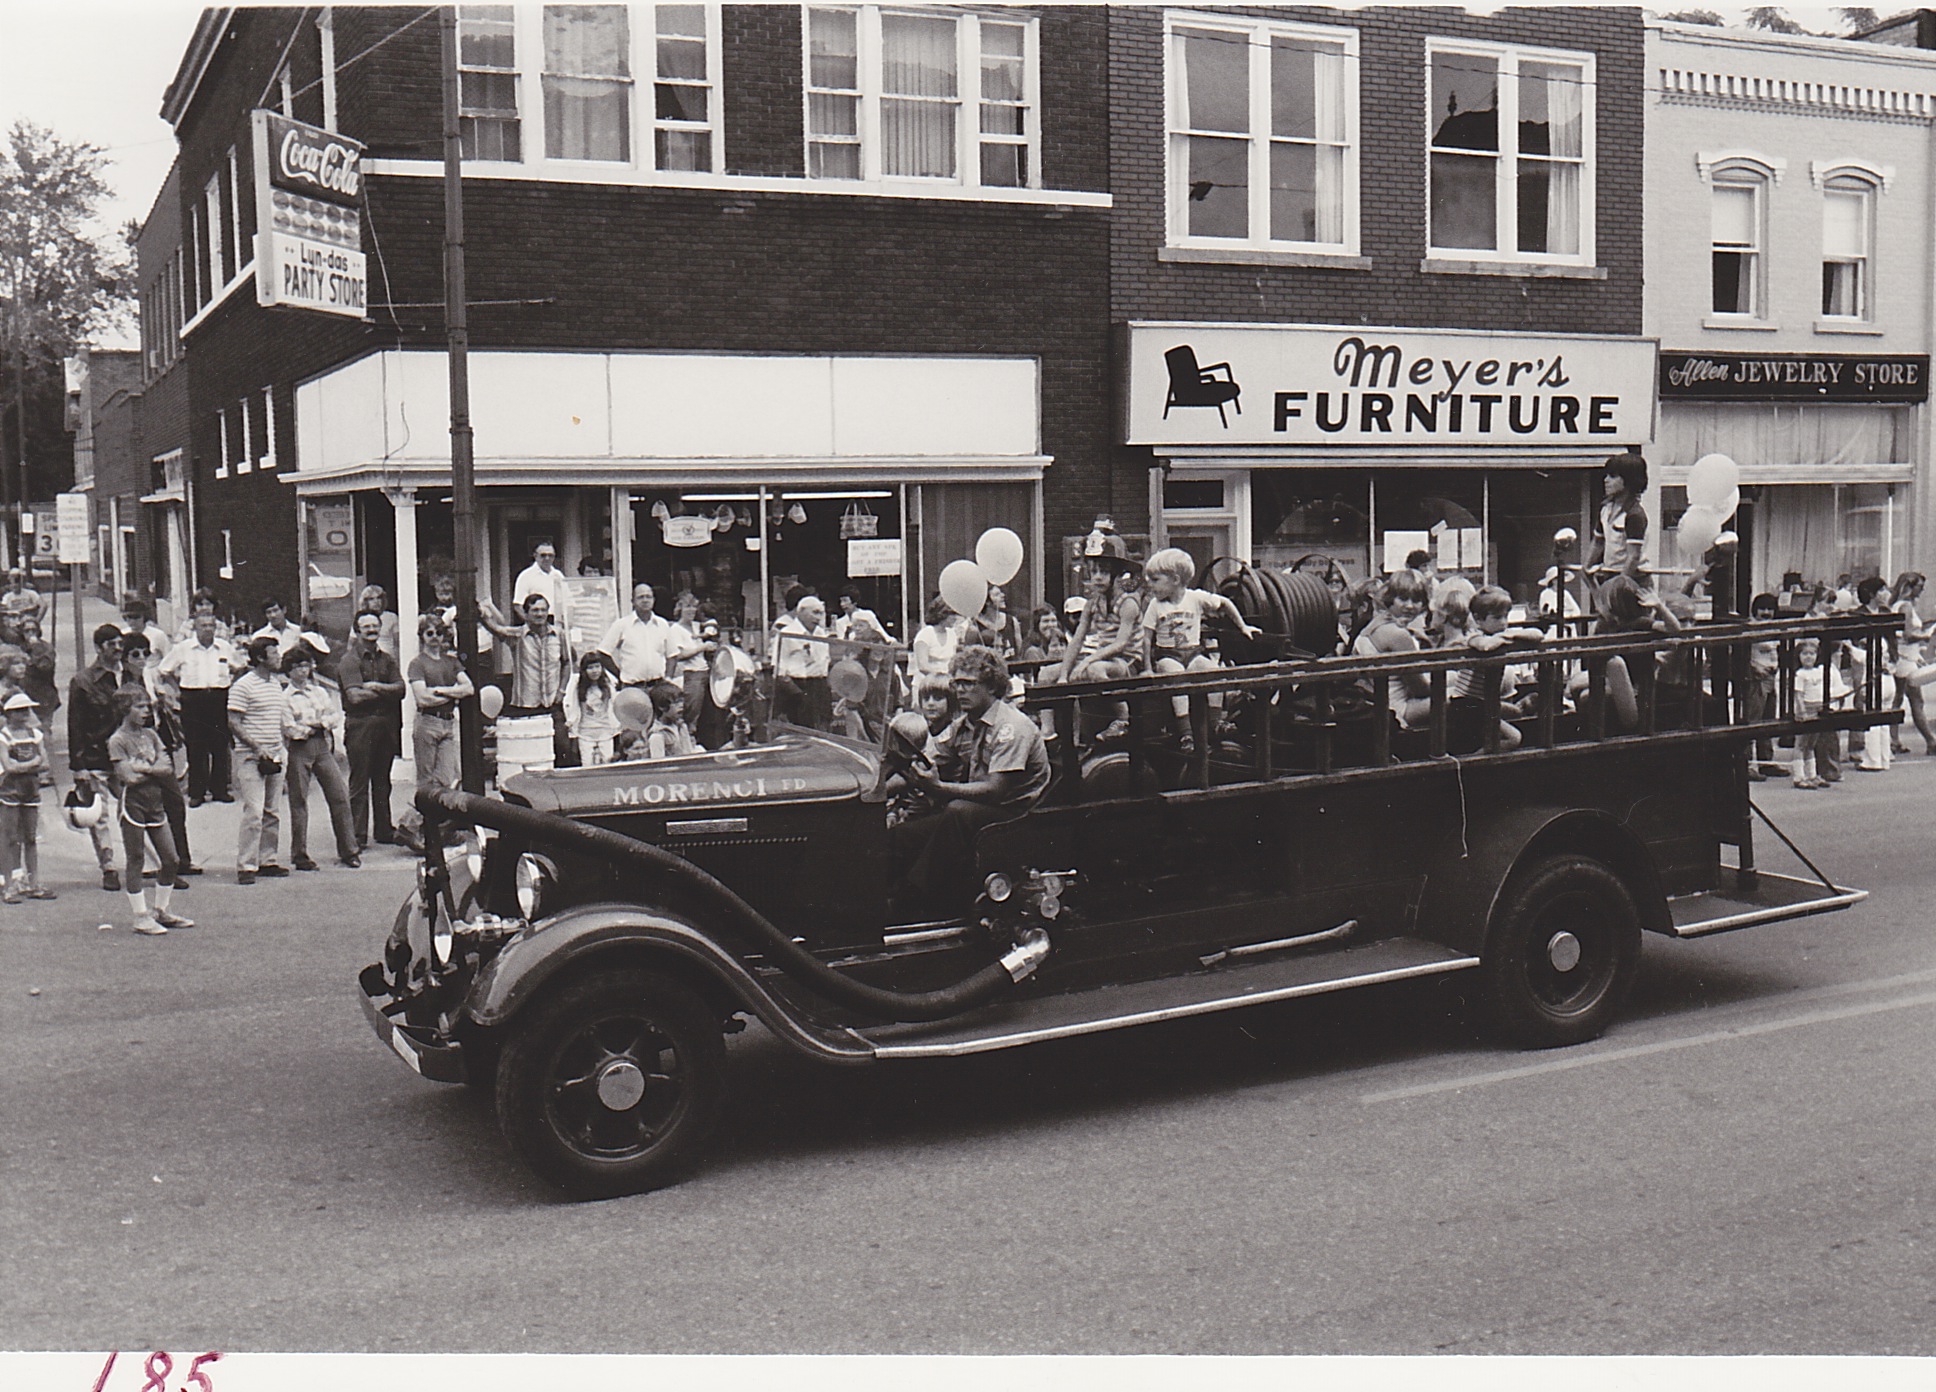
x=581 y=943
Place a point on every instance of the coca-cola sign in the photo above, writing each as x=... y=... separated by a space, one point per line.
x=308 y=218
x=309 y=160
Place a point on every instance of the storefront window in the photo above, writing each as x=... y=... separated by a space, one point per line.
x=1300 y=518
x=713 y=542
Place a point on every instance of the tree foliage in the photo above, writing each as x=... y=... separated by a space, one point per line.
x=1774 y=19
x=59 y=281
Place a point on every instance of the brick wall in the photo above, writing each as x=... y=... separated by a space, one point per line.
x=681 y=269
x=1393 y=183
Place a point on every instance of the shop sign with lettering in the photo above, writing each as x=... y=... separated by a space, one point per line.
x=1877 y=377
x=1278 y=384
x=309 y=217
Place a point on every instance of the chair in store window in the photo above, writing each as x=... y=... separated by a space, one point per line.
x=1191 y=385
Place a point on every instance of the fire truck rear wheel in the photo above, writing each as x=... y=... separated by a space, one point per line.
x=612 y=1083
x=1563 y=949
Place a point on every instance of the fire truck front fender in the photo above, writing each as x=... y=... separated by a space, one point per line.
x=608 y=937
x=1470 y=868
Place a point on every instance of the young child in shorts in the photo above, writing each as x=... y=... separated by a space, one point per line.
x=142 y=768
x=1819 y=687
x=23 y=758
x=1172 y=628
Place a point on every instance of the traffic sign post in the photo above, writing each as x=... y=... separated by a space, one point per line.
x=71 y=551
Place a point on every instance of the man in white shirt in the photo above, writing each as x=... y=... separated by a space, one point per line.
x=202 y=667
x=645 y=646
x=543 y=577
x=801 y=694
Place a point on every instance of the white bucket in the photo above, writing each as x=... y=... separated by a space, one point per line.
x=524 y=743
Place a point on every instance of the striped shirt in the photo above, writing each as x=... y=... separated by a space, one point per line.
x=263 y=704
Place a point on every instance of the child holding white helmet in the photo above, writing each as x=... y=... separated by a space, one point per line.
x=23 y=758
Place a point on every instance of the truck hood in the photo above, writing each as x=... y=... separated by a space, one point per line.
x=793 y=768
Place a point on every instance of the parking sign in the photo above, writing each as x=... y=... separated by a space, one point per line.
x=72 y=511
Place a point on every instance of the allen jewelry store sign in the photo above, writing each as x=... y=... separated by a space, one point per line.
x=1879 y=377
x=1248 y=385
x=309 y=220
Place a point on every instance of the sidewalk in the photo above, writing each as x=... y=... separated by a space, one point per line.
x=67 y=863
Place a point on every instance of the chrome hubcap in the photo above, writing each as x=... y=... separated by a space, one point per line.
x=621 y=1083
x=1563 y=951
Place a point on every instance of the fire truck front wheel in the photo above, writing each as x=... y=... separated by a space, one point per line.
x=611 y=1084
x=1563 y=948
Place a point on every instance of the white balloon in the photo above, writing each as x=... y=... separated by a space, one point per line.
x=1710 y=481
x=491 y=701
x=964 y=587
x=1699 y=527
x=1731 y=503
x=999 y=554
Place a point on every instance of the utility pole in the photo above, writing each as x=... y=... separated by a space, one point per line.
x=463 y=483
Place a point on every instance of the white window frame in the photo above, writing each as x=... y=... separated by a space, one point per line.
x=1743 y=168
x=212 y=237
x=326 y=59
x=519 y=95
x=237 y=238
x=629 y=80
x=1871 y=181
x=642 y=123
x=222 y=424
x=968 y=136
x=1758 y=186
x=1257 y=33
x=245 y=461
x=713 y=127
x=1506 y=172
x=268 y=428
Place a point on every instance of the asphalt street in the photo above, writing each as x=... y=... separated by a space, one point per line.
x=204 y=1144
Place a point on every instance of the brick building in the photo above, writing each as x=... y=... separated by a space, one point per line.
x=1413 y=236
x=103 y=396
x=1789 y=282
x=748 y=283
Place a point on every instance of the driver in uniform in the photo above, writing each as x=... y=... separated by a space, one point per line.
x=1004 y=767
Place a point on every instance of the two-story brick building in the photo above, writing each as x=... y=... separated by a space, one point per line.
x=748 y=283
x=1790 y=282
x=1379 y=272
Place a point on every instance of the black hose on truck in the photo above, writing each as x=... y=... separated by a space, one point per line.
x=442 y=804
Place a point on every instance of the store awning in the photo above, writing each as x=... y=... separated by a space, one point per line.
x=672 y=419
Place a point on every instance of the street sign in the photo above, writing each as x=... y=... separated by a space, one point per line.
x=72 y=511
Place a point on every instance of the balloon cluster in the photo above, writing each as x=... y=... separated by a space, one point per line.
x=998 y=559
x=1713 y=494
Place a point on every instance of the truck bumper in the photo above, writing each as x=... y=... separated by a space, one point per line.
x=441 y=1061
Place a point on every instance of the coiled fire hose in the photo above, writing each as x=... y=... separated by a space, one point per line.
x=443 y=804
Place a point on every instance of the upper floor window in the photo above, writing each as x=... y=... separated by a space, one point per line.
x=1738 y=214
x=1263 y=134
x=587 y=83
x=682 y=89
x=1848 y=221
x=487 y=78
x=1511 y=152
x=575 y=99
x=922 y=95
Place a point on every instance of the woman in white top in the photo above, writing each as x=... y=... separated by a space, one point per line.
x=1912 y=652
x=935 y=643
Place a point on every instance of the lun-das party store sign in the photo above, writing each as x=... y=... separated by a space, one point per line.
x=309 y=218
x=1240 y=384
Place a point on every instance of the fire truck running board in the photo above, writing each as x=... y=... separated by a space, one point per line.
x=1227 y=987
x=1730 y=905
